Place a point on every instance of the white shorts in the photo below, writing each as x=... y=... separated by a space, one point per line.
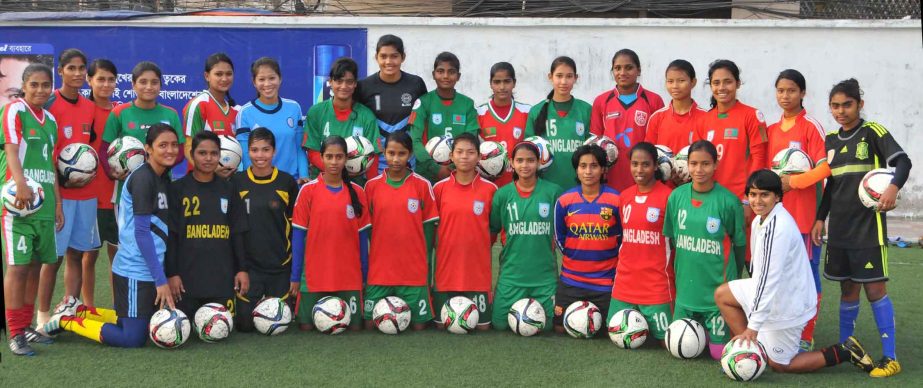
x=80 y=231
x=781 y=345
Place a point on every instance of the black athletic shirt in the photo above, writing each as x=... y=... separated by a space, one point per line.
x=391 y=102
x=269 y=202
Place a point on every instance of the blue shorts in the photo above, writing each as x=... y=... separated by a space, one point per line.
x=80 y=231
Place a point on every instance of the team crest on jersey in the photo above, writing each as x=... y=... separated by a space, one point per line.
x=759 y=116
x=580 y=128
x=640 y=118
x=795 y=145
x=517 y=132
x=712 y=225
x=605 y=213
x=653 y=214
x=437 y=118
x=710 y=136
x=862 y=150
x=406 y=99
x=350 y=212
x=830 y=155
x=413 y=205
x=357 y=131
x=224 y=205
x=478 y=208
x=544 y=209
x=68 y=131
x=290 y=122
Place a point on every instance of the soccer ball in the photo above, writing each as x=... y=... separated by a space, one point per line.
x=231 y=153
x=440 y=149
x=359 y=154
x=272 y=316
x=582 y=319
x=331 y=315
x=526 y=317
x=681 y=165
x=169 y=328
x=791 y=161
x=460 y=315
x=9 y=198
x=391 y=315
x=77 y=163
x=493 y=160
x=125 y=154
x=608 y=145
x=686 y=338
x=545 y=155
x=744 y=360
x=873 y=185
x=628 y=329
x=213 y=322
x=665 y=162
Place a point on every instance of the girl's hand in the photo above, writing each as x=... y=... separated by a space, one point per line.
x=164 y=297
x=58 y=216
x=176 y=287
x=444 y=172
x=119 y=177
x=225 y=172
x=24 y=194
x=293 y=289
x=817 y=232
x=748 y=336
x=888 y=200
x=786 y=183
x=242 y=283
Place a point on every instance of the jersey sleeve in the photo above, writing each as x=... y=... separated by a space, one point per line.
x=11 y=125
x=560 y=224
x=426 y=166
x=597 y=116
x=237 y=211
x=530 y=121
x=143 y=189
x=885 y=143
x=767 y=285
x=471 y=120
x=193 y=121
x=430 y=210
x=113 y=127
x=242 y=133
x=312 y=129
x=653 y=128
x=365 y=219
x=301 y=215
x=300 y=153
x=758 y=141
x=177 y=125
x=496 y=213
x=370 y=129
x=736 y=222
x=668 y=218
x=815 y=143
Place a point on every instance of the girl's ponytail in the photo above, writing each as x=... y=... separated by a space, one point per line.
x=541 y=121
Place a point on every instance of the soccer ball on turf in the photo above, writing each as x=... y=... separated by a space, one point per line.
x=493 y=160
x=873 y=185
x=665 y=162
x=743 y=360
x=231 y=153
x=686 y=338
x=125 y=154
x=545 y=155
x=272 y=316
x=9 y=198
x=440 y=149
x=459 y=315
x=213 y=322
x=526 y=317
x=359 y=154
x=331 y=315
x=582 y=319
x=628 y=329
x=608 y=145
x=391 y=315
x=77 y=164
x=169 y=328
x=791 y=161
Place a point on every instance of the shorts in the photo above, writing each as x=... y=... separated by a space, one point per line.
x=568 y=294
x=80 y=231
x=417 y=297
x=862 y=265
x=190 y=305
x=658 y=316
x=718 y=333
x=133 y=298
x=505 y=296
x=26 y=239
x=108 y=228
x=481 y=299
x=307 y=300
x=782 y=345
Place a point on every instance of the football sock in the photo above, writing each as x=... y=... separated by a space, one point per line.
x=808 y=333
x=128 y=333
x=848 y=313
x=17 y=320
x=83 y=327
x=883 y=311
x=835 y=355
x=715 y=350
x=97 y=314
x=42 y=318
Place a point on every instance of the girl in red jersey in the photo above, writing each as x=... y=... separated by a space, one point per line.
x=212 y=110
x=644 y=277
x=402 y=205
x=623 y=112
x=330 y=218
x=502 y=118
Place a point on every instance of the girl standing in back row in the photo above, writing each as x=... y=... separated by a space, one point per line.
x=503 y=119
x=212 y=110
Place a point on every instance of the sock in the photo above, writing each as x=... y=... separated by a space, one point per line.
x=128 y=333
x=97 y=314
x=807 y=334
x=42 y=318
x=849 y=311
x=715 y=350
x=12 y=322
x=86 y=328
x=834 y=355
x=883 y=311
x=19 y=320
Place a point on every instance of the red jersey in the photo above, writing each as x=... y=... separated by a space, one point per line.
x=508 y=130
x=204 y=113
x=75 y=124
x=332 y=249
x=626 y=124
x=398 y=254
x=807 y=135
x=103 y=187
x=740 y=137
x=645 y=271
x=672 y=129
x=463 y=256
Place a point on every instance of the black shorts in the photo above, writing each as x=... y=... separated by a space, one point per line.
x=568 y=294
x=108 y=228
x=862 y=265
x=262 y=285
x=134 y=298
x=189 y=305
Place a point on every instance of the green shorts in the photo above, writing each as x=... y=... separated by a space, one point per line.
x=718 y=333
x=307 y=300
x=108 y=229
x=417 y=297
x=481 y=300
x=658 y=316
x=505 y=296
x=27 y=239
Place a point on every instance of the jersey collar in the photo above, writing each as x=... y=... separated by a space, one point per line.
x=41 y=120
x=227 y=105
x=272 y=177
x=509 y=115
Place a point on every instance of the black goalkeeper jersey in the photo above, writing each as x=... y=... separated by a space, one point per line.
x=269 y=202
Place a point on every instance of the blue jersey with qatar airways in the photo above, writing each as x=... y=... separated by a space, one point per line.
x=285 y=121
x=144 y=194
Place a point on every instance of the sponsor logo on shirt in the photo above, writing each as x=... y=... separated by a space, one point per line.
x=413 y=205
x=437 y=118
x=529 y=228
x=862 y=150
x=698 y=245
x=712 y=225
x=605 y=213
x=640 y=118
x=458 y=120
x=730 y=133
x=478 y=207
x=613 y=115
x=653 y=214
x=68 y=131
x=224 y=205
x=590 y=231
x=40 y=176
x=544 y=209
x=646 y=237
x=350 y=212
x=517 y=132
x=580 y=128
x=406 y=99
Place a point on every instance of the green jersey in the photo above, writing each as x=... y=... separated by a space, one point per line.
x=36 y=134
x=322 y=121
x=565 y=133
x=528 y=258
x=434 y=116
x=130 y=120
x=704 y=228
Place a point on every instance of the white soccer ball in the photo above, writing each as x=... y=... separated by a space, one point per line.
x=125 y=154
x=359 y=154
x=231 y=152
x=608 y=145
x=873 y=185
x=169 y=329
x=686 y=338
x=494 y=160
x=582 y=319
x=744 y=360
x=545 y=155
x=681 y=165
x=665 y=162
x=331 y=315
x=459 y=315
x=628 y=329
x=440 y=149
x=213 y=322
x=272 y=316
x=77 y=163
x=526 y=317
x=391 y=315
x=791 y=161
x=9 y=198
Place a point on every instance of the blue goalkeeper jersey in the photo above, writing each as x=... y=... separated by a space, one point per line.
x=285 y=121
x=144 y=194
